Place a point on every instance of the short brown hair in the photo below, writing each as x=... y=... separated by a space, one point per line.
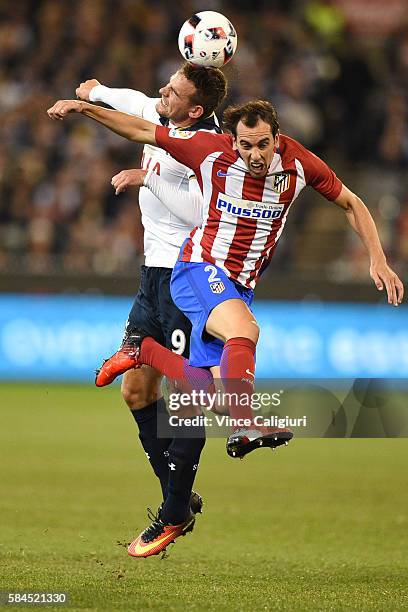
x=211 y=86
x=250 y=113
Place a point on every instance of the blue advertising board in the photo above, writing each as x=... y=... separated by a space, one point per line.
x=64 y=338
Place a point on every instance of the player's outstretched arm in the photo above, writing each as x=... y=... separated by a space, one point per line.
x=124 y=100
x=362 y=222
x=128 y=126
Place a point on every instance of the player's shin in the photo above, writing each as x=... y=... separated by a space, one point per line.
x=175 y=367
x=148 y=420
x=237 y=368
x=183 y=458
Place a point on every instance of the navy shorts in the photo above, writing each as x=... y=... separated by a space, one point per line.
x=196 y=289
x=155 y=313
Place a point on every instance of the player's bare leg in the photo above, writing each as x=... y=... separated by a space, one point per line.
x=141 y=387
x=231 y=319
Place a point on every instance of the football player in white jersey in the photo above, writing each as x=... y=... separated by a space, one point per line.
x=171 y=206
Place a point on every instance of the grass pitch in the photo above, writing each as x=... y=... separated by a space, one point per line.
x=319 y=525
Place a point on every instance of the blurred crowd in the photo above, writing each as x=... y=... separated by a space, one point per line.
x=339 y=87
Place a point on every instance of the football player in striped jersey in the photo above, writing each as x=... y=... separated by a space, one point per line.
x=249 y=179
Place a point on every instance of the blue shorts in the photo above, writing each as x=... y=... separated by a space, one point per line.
x=197 y=288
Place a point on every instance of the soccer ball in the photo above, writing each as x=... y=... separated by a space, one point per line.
x=207 y=39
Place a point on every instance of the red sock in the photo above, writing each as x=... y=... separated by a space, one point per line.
x=175 y=366
x=238 y=374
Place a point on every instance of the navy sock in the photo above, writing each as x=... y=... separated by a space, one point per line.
x=154 y=447
x=184 y=456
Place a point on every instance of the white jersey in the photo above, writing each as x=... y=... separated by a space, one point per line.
x=164 y=232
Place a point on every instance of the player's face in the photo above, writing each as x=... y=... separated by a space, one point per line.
x=175 y=103
x=256 y=146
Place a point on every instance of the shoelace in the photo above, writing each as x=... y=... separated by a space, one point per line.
x=129 y=346
x=130 y=350
x=152 y=516
x=155 y=529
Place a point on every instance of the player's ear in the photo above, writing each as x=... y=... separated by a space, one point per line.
x=196 y=112
x=234 y=143
x=276 y=141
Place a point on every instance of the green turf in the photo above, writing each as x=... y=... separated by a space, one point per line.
x=319 y=525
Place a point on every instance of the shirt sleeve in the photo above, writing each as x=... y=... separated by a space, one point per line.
x=125 y=100
x=320 y=176
x=186 y=205
x=189 y=147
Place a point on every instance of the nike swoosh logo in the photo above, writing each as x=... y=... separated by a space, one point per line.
x=221 y=173
x=140 y=548
x=250 y=373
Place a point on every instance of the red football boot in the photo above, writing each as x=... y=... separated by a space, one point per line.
x=126 y=358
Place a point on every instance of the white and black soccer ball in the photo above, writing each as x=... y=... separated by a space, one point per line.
x=207 y=39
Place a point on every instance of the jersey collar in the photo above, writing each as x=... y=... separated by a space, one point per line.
x=209 y=123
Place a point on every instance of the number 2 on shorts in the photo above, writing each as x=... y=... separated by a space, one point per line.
x=213 y=274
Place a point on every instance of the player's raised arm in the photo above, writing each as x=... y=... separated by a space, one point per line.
x=362 y=222
x=128 y=126
x=124 y=100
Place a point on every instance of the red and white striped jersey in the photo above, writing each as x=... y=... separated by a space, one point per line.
x=243 y=216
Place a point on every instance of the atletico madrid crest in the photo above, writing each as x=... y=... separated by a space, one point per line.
x=281 y=182
x=217 y=287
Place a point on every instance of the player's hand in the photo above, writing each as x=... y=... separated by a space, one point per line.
x=82 y=92
x=384 y=276
x=127 y=178
x=63 y=107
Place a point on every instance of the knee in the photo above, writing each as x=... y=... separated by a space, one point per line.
x=247 y=328
x=137 y=395
x=232 y=319
x=251 y=330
